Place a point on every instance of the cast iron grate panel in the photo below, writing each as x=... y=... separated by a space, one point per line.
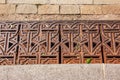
x=59 y=42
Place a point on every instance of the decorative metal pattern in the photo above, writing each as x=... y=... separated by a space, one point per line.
x=59 y=42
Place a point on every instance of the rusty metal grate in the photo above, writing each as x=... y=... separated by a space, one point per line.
x=59 y=42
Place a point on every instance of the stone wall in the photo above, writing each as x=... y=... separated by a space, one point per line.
x=61 y=72
x=59 y=9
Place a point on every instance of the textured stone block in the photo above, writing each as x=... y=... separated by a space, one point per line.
x=100 y=17
x=71 y=1
x=28 y=1
x=7 y=9
x=26 y=9
x=55 y=72
x=106 y=1
x=3 y=73
x=91 y=9
x=61 y=72
x=2 y=1
x=111 y=9
x=69 y=9
x=112 y=72
x=48 y=9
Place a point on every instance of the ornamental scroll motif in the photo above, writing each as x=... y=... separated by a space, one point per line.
x=59 y=42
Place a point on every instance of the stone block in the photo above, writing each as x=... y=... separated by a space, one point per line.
x=26 y=9
x=111 y=9
x=106 y=1
x=7 y=9
x=2 y=1
x=48 y=9
x=28 y=1
x=91 y=9
x=70 y=1
x=69 y=9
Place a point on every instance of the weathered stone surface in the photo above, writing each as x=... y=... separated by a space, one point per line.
x=61 y=72
x=111 y=9
x=69 y=9
x=91 y=9
x=63 y=1
x=28 y=1
x=2 y=1
x=3 y=73
x=64 y=7
x=38 y=17
x=100 y=17
x=55 y=72
x=48 y=9
x=106 y=1
x=26 y=9
x=7 y=9
x=112 y=72
x=71 y=1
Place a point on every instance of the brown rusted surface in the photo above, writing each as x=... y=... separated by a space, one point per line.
x=59 y=42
